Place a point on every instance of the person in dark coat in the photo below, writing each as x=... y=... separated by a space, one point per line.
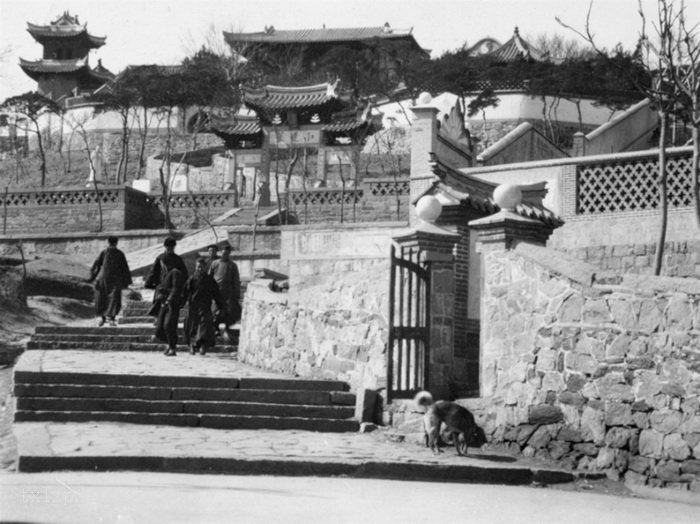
x=213 y=251
x=225 y=273
x=110 y=274
x=163 y=264
x=200 y=291
x=170 y=299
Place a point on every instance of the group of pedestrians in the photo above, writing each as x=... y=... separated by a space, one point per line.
x=211 y=294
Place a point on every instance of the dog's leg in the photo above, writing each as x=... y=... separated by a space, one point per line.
x=461 y=444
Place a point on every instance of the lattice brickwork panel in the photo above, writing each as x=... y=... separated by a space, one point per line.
x=321 y=198
x=386 y=187
x=61 y=198
x=631 y=185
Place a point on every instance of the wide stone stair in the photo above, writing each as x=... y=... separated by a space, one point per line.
x=117 y=374
x=211 y=402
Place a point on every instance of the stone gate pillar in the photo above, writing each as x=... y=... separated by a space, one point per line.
x=496 y=235
x=436 y=245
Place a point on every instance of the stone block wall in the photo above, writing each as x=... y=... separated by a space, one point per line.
x=599 y=377
x=331 y=324
x=680 y=259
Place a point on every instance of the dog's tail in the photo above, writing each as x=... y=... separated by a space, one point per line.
x=424 y=399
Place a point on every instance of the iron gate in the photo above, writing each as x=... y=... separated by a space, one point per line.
x=409 y=329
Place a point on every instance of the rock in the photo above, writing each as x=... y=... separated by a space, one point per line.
x=524 y=433
x=367 y=427
x=665 y=420
x=633 y=444
x=605 y=458
x=641 y=363
x=612 y=474
x=691 y=466
x=668 y=471
x=587 y=448
x=559 y=448
x=650 y=316
x=592 y=425
x=596 y=311
x=570 y=435
x=673 y=390
x=575 y=382
x=676 y=447
x=540 y=438
x=622 y=458
x=693 y=439
x=635 y=479
x=571 y=309
x=580 y=363
x=545 y=414
x=617 y=437
x=679 y=313
x=641 y=420
x=651 y=443
x=575 y=399
x=641 y=405
x=613 y=387
x=619 y=347
x=690 y=406
x=692 y=425
x=619 y=414
x=639 y=464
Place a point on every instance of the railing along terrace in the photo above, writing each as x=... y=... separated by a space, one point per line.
x=631 y=184
x=63 y=196
x=372 y=187
x=225 y=199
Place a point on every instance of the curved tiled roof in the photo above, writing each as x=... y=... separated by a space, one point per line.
x=237 y=126
x=278 y=97
x=65 y=26
x=463 y=189
x=517 y=49
x=53 y=66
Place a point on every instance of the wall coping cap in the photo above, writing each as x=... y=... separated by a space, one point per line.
x=558 y=262
x=503 y=216
x=427 y=231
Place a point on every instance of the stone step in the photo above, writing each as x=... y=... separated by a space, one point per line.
x=184 y=419
x=119 y=346
x=102 y=404
x=145 y=329
x=177 y=381
x=193 y=389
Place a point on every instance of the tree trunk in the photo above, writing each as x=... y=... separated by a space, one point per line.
x=342 y=191
x=663 y=195
x=694 y=171
x=42 y=154
x=142 y=149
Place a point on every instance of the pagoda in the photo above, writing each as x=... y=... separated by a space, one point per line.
x=319 y=122
x=64 y=68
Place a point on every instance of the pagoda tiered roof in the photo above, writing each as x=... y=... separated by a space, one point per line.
x=281 y=97
x=38 y=68
x=65 y=26
x=517 y=49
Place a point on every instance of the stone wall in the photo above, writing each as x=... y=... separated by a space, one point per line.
x=598 y=376
x=680 y=258
x=332 y=323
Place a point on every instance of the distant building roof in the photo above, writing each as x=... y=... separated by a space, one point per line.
x=65 y=26
x=484 y=46
x=37 y=68
x=517 y=49
x=286 y=36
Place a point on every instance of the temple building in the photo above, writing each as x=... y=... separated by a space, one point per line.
x=64 y=68
x=308 y=135
x=517 y=48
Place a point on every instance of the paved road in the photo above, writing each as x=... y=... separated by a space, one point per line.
x=154 y=498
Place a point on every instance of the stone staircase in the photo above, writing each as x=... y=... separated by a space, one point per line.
x=210 y=402
x=112 y=374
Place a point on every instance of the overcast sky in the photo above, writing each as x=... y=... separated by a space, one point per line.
x=163 y=31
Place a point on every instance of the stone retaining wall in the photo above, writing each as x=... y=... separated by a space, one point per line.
x=600 y=377
x=328 y=326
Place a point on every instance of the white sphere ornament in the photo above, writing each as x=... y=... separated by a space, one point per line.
x=428 y=208
x=507 y=196
x=424 y=98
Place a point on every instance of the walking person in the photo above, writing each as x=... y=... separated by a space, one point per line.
x=213 y=251
x=227 y=277
x=163 y=264
x=200 y=291
x=170 y=300
x=110 y=274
